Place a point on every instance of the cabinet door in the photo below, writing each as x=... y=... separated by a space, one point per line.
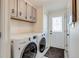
x=34 y=14
x=29 y=12
x=22 y=9
x=13 y=7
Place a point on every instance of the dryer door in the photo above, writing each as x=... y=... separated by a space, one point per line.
x=30 y=51
x=42 y=45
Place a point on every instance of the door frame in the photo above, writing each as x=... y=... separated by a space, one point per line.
x=65 y=17
x=5 y=42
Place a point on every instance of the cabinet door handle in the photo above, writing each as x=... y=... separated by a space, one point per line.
x=20 y=13
x=13 y=11
x=26 y=17
x=34 y=18
x=30 y=17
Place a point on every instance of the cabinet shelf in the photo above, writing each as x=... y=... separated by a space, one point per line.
x=23 y=20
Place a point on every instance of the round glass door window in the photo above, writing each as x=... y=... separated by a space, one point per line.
x=30 y=51
x=42 y=45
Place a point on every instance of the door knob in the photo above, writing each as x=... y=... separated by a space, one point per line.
x=20 y=13
x=26 y=17
x=67 y=34
x=50 y=33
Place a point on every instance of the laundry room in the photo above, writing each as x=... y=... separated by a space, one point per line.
x=39 y=28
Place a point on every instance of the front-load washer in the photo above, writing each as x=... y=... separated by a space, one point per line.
x=24 y=48
x=42 y=46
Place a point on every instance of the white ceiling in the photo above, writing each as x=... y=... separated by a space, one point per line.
x=50 y=5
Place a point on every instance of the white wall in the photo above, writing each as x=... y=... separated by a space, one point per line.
x=18 y=27
x=45 y=26
x=38 y=26
x=74 y=42
x=74 y=37
x=5 y=42
x=45 y=21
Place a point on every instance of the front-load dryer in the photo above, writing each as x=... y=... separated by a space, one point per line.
x=42 y=46
x=24 y=48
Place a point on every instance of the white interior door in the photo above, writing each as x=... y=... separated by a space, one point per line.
x=57 y=32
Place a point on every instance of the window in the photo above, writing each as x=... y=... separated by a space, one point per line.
x=57 y=24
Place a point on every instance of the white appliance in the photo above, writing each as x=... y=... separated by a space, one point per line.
x=42 y=46
x=25 y=47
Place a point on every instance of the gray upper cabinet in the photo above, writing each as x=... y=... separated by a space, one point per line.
x=22 y=9
x=13 y=7
x=29 y=12
x=34 y=14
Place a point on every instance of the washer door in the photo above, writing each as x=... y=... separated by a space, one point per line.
x=30 y=51
x=42 y=45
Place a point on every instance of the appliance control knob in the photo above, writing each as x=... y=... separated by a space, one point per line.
x=11 y=41
x=19 y=48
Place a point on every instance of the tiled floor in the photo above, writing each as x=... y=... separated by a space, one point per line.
x=55 y=53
